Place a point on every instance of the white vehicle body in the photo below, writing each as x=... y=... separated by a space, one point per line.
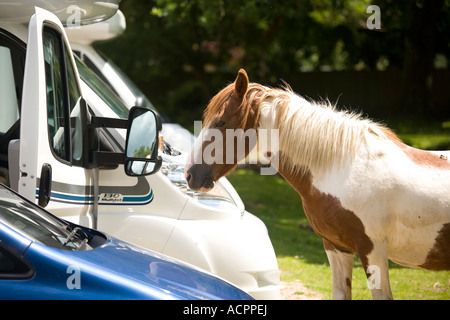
x=214 y=233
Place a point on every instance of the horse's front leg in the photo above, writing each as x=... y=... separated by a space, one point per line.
x=341 y=264
x=377 y=272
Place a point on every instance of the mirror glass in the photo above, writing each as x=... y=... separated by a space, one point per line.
x=142 y=135
x=139 y=167
x=142 y=142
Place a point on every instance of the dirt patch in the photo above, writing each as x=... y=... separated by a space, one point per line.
x=295 y=290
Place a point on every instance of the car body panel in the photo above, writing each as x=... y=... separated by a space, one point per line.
x=111 y=269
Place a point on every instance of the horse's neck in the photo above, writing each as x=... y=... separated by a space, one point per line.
x=299 y=178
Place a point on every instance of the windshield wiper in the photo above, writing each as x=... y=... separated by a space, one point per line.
x=83 y=246
x=70 y=236
x=73 y=233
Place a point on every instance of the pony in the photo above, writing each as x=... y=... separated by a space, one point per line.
x=363 y=190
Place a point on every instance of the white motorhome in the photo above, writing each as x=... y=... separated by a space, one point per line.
x=48 y=153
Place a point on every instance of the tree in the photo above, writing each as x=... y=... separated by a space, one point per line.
x=184 y=51
x=421 y=26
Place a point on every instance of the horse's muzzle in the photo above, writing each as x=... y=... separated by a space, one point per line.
x=199 y=178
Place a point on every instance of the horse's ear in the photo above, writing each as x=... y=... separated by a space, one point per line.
x=241 y=83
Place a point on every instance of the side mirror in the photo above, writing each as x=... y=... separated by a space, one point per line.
x=141 y=150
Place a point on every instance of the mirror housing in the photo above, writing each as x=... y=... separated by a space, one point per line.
x=141 y=148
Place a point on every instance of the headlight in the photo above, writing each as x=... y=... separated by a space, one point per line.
x=173 y=168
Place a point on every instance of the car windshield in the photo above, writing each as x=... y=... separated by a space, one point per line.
x=101 y=89
x=38 y=225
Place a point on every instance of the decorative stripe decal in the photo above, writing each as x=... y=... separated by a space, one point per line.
x=88 y=200
x=139 y=194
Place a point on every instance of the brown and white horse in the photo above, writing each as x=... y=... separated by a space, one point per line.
x=363 y=190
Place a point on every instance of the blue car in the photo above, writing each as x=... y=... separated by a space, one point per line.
x=44 y=257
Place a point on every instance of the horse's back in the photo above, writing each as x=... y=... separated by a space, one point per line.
x=444 y=154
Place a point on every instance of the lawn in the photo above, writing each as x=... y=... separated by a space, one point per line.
x=300 y=252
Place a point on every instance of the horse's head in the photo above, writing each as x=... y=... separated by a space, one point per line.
x=225 y=138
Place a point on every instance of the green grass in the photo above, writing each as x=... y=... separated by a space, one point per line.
x=300 y=252
x=429 y=141
x=430 y=135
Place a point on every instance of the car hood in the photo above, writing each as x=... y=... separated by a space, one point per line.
x=127 y=271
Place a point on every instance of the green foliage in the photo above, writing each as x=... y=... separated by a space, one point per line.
x=181 y=52
x=428 y=135
x=142 y=152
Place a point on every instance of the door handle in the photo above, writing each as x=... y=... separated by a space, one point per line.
x=45 y=185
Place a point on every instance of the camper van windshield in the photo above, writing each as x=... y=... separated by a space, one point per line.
x=101 y=89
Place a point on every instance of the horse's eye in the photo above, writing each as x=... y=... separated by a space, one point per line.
x=219 y=124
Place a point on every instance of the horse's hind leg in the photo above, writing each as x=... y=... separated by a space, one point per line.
x=341 y=264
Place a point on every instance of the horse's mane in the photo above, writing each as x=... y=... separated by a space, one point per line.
x=312 y=135
x=316 y=135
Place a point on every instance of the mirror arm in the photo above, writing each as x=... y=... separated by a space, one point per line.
x=103 y=122
x=106 y=158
